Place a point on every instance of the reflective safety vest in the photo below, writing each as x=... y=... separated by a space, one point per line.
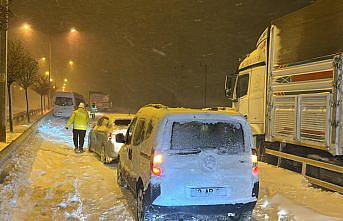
x=79 y=119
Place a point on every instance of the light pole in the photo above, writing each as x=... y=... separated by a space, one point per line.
x=50 y=59
x=205 y=83
x=3 y=66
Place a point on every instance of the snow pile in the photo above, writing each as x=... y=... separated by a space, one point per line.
x=285 y=195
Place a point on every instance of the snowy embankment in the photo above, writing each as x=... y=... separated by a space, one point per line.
x=285 y=195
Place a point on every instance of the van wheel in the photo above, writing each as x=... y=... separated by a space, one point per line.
x=245 y=216
x=120 y=179
x=141 y=207
x=102 y=154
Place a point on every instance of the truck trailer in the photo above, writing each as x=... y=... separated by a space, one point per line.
x=101 y=100
x=290 y=87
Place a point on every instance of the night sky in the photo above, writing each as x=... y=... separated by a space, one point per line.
x=146 y=51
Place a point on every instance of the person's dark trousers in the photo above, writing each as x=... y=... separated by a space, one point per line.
x=79 y=138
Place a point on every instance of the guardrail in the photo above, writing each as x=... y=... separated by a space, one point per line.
x=9 y=151
x=319 y=164
x=18 y=117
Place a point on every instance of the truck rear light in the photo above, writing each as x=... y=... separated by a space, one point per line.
x=156 y=161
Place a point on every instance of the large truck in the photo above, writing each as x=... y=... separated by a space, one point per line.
x=290 y=87
x=101 y=100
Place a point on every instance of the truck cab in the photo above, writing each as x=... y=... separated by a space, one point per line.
x=247 y=88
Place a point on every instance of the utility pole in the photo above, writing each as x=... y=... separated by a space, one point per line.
x=3 y=66
x=50 y=57
x=205 y=83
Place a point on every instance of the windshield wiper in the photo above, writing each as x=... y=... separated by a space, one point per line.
x=187 y=152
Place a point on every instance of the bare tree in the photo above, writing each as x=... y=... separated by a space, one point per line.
x=14 y=65
x=27 y=77
x=42 y=86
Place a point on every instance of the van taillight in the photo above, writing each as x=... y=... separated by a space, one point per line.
x=254 y=164
x=255 y=170
x=156 y=161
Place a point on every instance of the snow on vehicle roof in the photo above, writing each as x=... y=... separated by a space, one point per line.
x=114 y=116
x=160 y=111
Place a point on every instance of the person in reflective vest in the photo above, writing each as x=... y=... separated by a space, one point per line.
x=79 y=119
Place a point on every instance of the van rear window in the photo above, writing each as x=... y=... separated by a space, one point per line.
x=64 y=101
x=223 y=137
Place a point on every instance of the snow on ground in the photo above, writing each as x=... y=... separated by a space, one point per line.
x=18 y=129
x=50 y=182
x=285 y=195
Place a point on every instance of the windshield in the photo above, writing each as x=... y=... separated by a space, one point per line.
x=64 y=101
x=221 y=136
x=122 y=122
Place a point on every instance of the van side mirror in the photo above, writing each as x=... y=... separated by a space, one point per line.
x=120 y=138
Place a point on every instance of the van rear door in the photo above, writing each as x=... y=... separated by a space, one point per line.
x=208 y=163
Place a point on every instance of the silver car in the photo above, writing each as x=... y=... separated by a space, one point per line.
x=101 y=139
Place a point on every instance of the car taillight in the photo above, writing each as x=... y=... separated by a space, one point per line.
x=156 y=161
x=254 y=164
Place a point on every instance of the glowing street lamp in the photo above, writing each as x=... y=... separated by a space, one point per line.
x=51 y=80
x=65 y=80
x=43 y=58
x=26 y=27
x=47 y=73
x=71 y=62
x=73 y=30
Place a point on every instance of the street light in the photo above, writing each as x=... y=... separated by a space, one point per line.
x=65 y=80
x=47 y=73
x=43 y=58
x=73 y=29
x=51 y=80
x=71 y=62
x=26 y=26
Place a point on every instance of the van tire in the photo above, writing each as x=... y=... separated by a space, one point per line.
x=141 y=214
x=245 y=216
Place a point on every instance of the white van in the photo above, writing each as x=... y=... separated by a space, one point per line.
x=65 y=102
x=189 y=163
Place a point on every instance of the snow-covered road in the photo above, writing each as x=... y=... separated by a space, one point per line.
x=50 y=182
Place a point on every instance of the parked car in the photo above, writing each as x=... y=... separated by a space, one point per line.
x=100 y=137
x=187 y=162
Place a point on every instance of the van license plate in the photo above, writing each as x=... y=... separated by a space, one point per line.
x=208 y=191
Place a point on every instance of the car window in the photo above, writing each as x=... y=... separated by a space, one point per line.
x=242 y=85
x=100 y=121
x=138 y=136
x=220 y=137
x=149 y=130
x=64 y=101
x=129 y=132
